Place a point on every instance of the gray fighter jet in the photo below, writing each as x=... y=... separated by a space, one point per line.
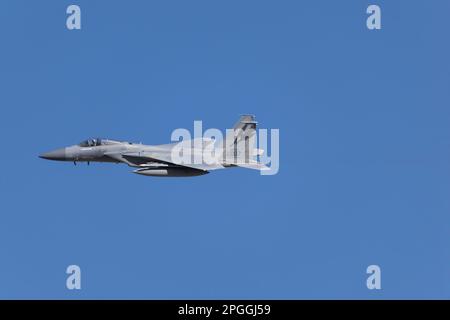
x=236 y=150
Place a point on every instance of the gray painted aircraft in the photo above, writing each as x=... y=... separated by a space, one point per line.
x=159 y=161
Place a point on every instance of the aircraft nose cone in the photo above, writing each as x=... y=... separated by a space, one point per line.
x=59 y=154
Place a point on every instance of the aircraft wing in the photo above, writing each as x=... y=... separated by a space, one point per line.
x=143 y=159
x=149 y=159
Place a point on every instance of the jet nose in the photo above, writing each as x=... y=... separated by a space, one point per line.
x=59 y=154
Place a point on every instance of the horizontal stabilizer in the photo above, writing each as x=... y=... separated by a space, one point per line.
x=251 y=165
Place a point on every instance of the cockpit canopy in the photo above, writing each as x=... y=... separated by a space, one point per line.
x=91 y=142
x=94 y=142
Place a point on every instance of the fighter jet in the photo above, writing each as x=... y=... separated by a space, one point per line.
x=236 y=150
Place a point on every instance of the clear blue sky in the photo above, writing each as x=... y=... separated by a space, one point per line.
x=365 y=149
